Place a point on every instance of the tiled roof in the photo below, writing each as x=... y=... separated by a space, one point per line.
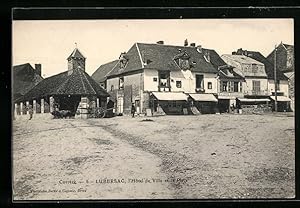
x=288 y=46
x=76 y=54
x=243 y=59
x=226 y=73
x=24 y=79
x=77 y=83
x=160 y=56
x=101 y=73
x=269 y=67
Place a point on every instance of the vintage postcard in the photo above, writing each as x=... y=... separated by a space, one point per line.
x=153 y=109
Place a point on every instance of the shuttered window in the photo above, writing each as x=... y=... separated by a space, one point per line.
x=256 y=86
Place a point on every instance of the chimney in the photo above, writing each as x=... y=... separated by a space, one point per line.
x=199 y=48
x=186 y=43
x=160 y=42
x=193 y=44
x=38 y=69
x=240 y=51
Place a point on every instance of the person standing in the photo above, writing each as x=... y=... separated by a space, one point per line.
x=30 y=110
x=132 y=110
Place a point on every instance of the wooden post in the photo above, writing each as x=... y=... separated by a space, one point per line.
x=51 y=103
x=97 y=103
x=42 y=105
x=27 y=107
x=21 y=108
x=15 y=110
x=34 y=106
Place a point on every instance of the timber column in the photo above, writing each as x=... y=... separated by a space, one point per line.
x=15 y=110
x=27 y=107
x=21 y=108
x=42 y=105
x=34 y=106
x=51 y=103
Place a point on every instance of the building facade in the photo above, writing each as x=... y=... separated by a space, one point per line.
x=285 y=62
x=152 y=75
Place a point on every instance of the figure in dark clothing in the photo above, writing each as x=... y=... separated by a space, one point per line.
x=30 y=111
x=132 y=110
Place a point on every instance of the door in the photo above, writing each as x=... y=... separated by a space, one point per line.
x=120 y=104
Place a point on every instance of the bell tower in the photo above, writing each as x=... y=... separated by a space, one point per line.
x=76 y=61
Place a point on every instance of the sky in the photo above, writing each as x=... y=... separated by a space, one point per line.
x=100 y=41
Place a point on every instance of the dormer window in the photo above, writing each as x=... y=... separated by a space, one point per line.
x=254 y=68
x=184 y=64
x=182 y=60
x=123 y=60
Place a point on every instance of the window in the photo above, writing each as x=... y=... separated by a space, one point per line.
x=121 y=83
x=230 y=87
x=256 y=86
x=102 y=85
x=235 y=86
x=178 y=84
x=224 y=86
x=209 y=85
x=184 y=64
x=112 y=88
x=164 y=79
x=199 y=81
x=254 y=68
x=154 y=79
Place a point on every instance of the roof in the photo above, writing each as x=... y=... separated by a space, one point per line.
x=161 y=57
x=101 y=73
x=203 y=97
x=215 y=58
x=269 y=67
x=281 y=98
x=24 y=79
x=243 y=59
x=244 y=62
x=77 y=83
x=290 y=75
x=165 y=96
x=225 y=72
x=287 y=46
x=76 y=54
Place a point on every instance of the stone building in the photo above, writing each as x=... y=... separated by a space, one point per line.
x=160 y=77
x=285 y=62
x=72 y=90
x=282 y=81
x=25 y=77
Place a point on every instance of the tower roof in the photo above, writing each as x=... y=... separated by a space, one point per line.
x=76 y=54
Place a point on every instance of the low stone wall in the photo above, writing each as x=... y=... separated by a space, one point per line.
x=255 y=109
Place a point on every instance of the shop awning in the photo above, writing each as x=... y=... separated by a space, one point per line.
x=254 y=100
x=165 y=96
x=281 y=98
x=204 y=97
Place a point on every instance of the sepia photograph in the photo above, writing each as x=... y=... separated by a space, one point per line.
x=139 y=109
